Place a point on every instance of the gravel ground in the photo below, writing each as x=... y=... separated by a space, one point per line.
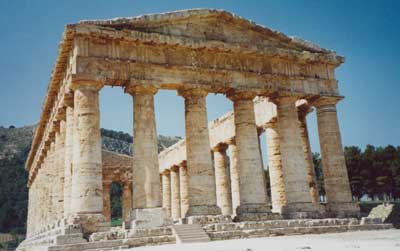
x=383 y=240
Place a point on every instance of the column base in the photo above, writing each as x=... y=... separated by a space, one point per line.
x=301 y=210
x=255 y=212
x=344 y=209
x=148 y=218
x=90 y=222
x=203 y=210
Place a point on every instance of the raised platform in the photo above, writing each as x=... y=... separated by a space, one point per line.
x=70 y=238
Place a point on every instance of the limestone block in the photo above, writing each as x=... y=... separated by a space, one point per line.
x=149 y=218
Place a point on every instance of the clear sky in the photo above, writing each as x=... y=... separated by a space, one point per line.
x=367 y=33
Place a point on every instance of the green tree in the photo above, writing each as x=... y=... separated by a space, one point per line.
x=353 y=157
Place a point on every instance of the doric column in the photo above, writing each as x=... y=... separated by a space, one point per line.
x=59 y=166
x=175 y=193
x=146 y=180
x=337 y=187
x=222 y=180
x=29 y=221
x=166 y=192
x=234 y=174
x=294 y=169
x=107 y=201
x=278 y=197
x=311 y=176
x=87 y=185
x=68 y=159
x=202 y=197
x=51 y=179
x=253 y=194
x=184 y=188
x=126 y=200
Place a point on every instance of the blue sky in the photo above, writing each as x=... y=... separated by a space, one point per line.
x=367 y=33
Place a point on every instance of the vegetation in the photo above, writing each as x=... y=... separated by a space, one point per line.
x=374 y=173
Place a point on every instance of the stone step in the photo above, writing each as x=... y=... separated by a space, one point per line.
x=238 y=234
x=69 y=239
x=190 y=233
x=279 y=224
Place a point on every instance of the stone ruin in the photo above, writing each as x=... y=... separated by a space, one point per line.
x=190 y=191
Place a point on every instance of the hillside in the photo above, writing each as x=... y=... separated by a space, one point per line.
x=15 y=144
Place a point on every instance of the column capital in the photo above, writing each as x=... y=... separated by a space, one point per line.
x=190 y=92
x=231 y=141
x=174 y=168
x=134 y=89
x=326 y=100
x=166 y=172
x=240 y=95
x=80 y=83
x=61 y=113
x=69 y=98
x=221 y=147
x=284 y=100
x=183 y=164
x=304 y=109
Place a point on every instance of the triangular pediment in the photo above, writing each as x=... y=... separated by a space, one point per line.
x=209 y=24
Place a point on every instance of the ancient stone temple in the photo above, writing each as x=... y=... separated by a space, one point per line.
x=213 y=179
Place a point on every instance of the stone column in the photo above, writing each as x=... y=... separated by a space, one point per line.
x=87 y=185
x=278 y=196
x=51 y=179
x=294 y=168
x=69 y=146
x=166 y=192
x=146 y=181
x=59 y=166
x=107 y=201
x=311 y=176
x=184 y=188
x=253 y=194
x=337 y=187
x=175 y=194
x=126 y=200
x=202 y=197
x=234 y=174
x=222 y=180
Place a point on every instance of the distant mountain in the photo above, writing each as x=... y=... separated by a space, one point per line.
x=15 y=145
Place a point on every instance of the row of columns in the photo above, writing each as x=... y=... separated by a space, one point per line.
x=293 y=180
x=79 y=178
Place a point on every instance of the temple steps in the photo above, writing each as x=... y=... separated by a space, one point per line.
x=288 y=227
x=190 y=233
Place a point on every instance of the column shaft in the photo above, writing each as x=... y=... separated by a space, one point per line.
x=278 y=196
x=87 y=185
x=202 y=197
x=337 y=187
x=175 y=194
x=184 y=188
x=311 y=176
x=253 y=194
x=107 y=201
x=222 y=180
x=234 y=174
x=69 y=147
x=146 y=180
x=126 y=201
x=166 y=192
x=298 y=198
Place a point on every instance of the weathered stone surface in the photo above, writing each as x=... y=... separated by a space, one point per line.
x=338 y=193
x=294 y=170
x=250 y=64
x=202 y=197
x=222 y=180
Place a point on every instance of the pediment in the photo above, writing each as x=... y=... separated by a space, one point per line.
x=209 y=24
